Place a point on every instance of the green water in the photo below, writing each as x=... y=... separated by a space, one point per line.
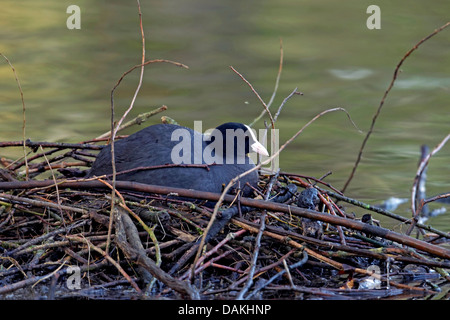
x=329 y=54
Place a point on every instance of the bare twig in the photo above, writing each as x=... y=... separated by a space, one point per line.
x=23 y=112
x=284 y=102
x=257 y=95
x=377 y=113
x=280 y=68
x=115 y=127
x=254 y=257
x=137 y=120
x=108 y=257
x=422 y=166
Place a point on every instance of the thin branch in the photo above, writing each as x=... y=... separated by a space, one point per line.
x=280 y=68
x=284 y=102
x=259 y=235
x=377 y=113
x=422 y=166
x=115 y=127
x=137 y=120
x=107 y=257
x=257 y=95
x=23 y=113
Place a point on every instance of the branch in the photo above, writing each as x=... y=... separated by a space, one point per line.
x=422 y=166
x=377 y=113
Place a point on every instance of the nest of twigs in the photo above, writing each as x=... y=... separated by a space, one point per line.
x=61 y=238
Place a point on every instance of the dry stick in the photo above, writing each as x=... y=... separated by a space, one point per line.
x=257 y=95
x=309 y=178
x=329 y=205
x=59 y=145
x=420 y=170
x=280 y=68
x=115 y=127
x=284 y=102
x=262 y=227
x=137 y=120
x=234 y=180
x=35 y=145
x=23 y=112
x=58 y=200
x=286 y=270
x=254 y=257
x=397 y=69
x=422 y=184
x=130 y=244
x=141 y=222
x=107 y=257
x=60 y=165
x=382 y=211
x=438 y=197
x=44 y=204
x=46 y=236
x=213 y=250
x=378 y=253
x=264 y=269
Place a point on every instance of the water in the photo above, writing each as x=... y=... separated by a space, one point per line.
x=329 y=54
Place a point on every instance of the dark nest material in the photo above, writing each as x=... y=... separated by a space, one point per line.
x=60 y=238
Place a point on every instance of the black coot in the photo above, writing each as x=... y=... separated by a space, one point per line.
x=224 y=150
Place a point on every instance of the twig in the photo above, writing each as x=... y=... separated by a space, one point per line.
x=44 y=204
x=60 y=145
x=295 y=92
x=58 y=200
x=108 y=257
x=435 y=198
x=46 y=236
x=420 y=170
x=115 y=127
x=377 y=113
x=262 y=227
x=212 y=251
x=129 y=242
x=254 y=257
x=279 y=274
x=382 y=211
x=295 y=177
x=280 y=68
x=23 y=112
x=137 y=120
x=257 y=95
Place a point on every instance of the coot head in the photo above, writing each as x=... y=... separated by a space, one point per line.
x=138 y=155
x=237 y=141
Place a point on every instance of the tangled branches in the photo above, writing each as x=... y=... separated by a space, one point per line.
x=303 y=251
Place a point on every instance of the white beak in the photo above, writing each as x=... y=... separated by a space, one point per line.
x=259 y=148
